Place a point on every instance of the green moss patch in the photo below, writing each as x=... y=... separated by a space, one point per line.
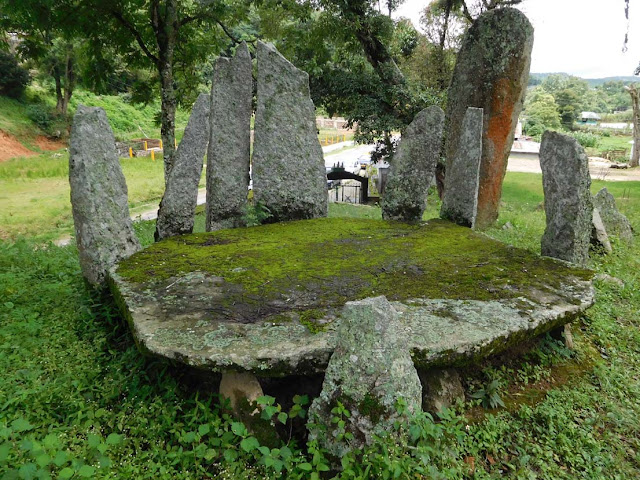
x=317 y=264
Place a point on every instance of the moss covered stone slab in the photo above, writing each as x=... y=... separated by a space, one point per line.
x=267 y=299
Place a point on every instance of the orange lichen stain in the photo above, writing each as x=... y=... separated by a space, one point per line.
x=493 y=166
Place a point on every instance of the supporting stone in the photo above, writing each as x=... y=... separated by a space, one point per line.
x=460 y=202
x=567 y=200
x=413 y=169
x=565 y=335
x=599 y=237
x=614 y=222
x=491 y=73
x=288 y=166
x=370 y=374
x=243 y=390
x=178 y=205
x=228 y=157
x=441 y=388
x=99 y=202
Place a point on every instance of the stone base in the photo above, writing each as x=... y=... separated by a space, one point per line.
x=441 y=388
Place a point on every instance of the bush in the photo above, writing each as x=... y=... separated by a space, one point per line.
x=587 y=140
x=13 y=78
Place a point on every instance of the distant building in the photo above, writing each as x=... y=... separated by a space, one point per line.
x=589 y=118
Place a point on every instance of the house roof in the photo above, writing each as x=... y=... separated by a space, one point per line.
x=590 y=115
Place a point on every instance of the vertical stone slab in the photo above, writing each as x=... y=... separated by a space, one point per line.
x=491 y=73
x=567 y=200
x=460 y=201
x=178 y=205
x=615 y=222
x=104 y=232
x=414 y=165
x=228 y=157
x=288 y=166
x=370 y=371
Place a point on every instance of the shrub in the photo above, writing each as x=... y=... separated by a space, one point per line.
x=586 y=139
x=13 y=78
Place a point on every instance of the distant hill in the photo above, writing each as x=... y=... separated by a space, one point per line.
x=593 y=82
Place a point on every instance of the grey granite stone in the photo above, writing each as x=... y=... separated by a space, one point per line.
x=567 y=201
x=491 y=72
x=104 y=233
x=615 y=222
x=212 y=321
x=414 y=165
x=369 y=373
x=460 y=201
x=599 y=236
x=288 y=166
x=441 y=388
x=178 y=205
x=228 y=157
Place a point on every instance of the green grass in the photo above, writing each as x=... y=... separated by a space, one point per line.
x=34 y=193
x=77 y=400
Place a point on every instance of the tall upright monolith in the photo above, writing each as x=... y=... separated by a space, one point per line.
x=491 y=73
x=460 y=201
x=178 y=205
x=289 y=176
x=414 y=166
x=228 y=156
x=99 y=202
x=567 y=199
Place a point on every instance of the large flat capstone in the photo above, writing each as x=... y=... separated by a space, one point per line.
x=268 y=299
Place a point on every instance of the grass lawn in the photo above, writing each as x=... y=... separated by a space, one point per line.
x=77 y=400
x=34 y=193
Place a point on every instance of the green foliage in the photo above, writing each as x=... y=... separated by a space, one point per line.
x=13 y=78
x=586 y=139
x=488 y=395
x=256 y=214
x=79 y=401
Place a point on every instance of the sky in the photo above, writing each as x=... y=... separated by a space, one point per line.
x=578 y=37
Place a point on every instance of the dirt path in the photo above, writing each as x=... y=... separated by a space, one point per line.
x=599 y=168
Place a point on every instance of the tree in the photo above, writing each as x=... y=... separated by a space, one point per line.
x=48 y=38
x=541 y=112
x=634 y=91
x=13 y=78
x=171 y=37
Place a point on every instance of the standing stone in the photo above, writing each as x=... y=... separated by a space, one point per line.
x=460 y=202
x=567 y=200
x=405 y=196
x=615 y=222
x=491 y=73
x=104 y=232
x=441 y=388
x=369 y=372
x=228 y=157
x=599 y=236
x=288 y=166
x=178 y=205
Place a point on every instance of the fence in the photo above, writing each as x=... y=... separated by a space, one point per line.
x=339 y=193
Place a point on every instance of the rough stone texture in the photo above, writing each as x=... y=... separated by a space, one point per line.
x=228 y=157
x=369 y=372
x=491 y=73
x=104 y=233
x=441 y=388
x=178 y=205
x=599 y=237
x=461 y=183
x=405 y=196
x=491 y=295
x=615 y=222
x=567 y=200
x=288 y=166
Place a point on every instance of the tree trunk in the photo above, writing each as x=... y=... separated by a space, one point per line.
x=635 y=101
x=59 y=98
x=70 y=81
x=165 y=25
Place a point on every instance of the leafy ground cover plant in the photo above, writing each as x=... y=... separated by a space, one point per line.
x=77 y=400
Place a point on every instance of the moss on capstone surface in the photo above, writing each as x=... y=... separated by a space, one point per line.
x=313 y=265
